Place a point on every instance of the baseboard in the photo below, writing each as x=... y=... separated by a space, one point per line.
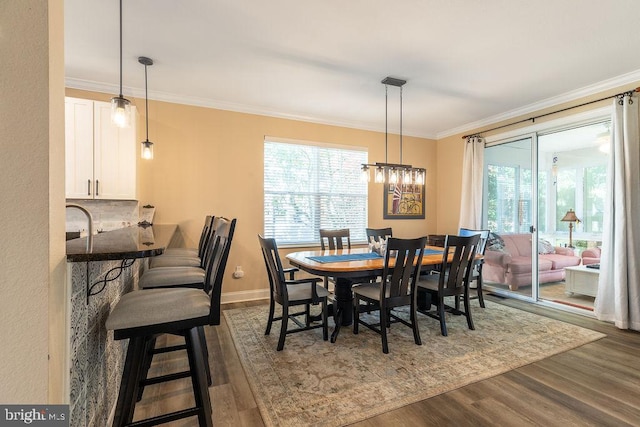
x=241 y=296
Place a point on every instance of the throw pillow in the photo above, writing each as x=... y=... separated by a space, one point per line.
x=495 y=243
x=545 y=247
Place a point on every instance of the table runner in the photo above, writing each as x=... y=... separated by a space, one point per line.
x=358 y=257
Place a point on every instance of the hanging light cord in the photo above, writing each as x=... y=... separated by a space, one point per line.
x=400 y=124
x=386 y=123
x=146 y=100
x=121 y=49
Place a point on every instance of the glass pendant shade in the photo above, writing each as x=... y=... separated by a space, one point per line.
x=407 y=177
x=147 y=150
x=393 y=176
x=420 y=177
x=379 y=178
x=121 y=112
x=364 y=175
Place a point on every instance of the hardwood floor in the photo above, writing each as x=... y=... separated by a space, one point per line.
x=597 y=384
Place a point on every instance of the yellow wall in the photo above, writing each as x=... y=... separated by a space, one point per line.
x=32 y=253
x=211 y=161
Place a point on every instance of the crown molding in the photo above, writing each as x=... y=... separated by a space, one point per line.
x=228 y=106
x=632 y=77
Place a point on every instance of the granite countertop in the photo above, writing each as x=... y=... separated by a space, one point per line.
x=124 y=243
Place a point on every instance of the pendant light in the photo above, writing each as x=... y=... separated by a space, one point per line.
x=121 y=106
x=147 y=146
x=393 y=173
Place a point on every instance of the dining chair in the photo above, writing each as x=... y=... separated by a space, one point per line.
x=335 y=239
x=291 y=293
x=476 y=273
x=378 y=233
x=142 y=315
x=452 y=280
x=397 y=288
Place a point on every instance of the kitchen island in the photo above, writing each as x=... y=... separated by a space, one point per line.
x=96 y=278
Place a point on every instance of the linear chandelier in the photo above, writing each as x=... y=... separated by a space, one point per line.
x=392 y=173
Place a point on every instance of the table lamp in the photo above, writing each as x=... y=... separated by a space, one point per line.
x=570 y=217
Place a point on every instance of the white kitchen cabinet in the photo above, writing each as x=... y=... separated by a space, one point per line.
x=100 y=157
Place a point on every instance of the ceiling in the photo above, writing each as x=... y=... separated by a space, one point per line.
x=467 y=63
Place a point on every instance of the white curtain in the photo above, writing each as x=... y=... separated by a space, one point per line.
x=472 y=175
x=618 y=299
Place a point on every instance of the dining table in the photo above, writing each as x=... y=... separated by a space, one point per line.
x=349 y=267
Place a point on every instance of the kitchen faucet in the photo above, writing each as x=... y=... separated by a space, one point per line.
x=90 y=220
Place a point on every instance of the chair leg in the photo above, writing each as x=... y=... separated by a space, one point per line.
x=479 y=289
x=195 y=353
x=272 y=307
x=414 y=324
x=383 y=329
x=307 y=316
x=146 y=365
x=133 y=366
x=325 y=321
x=467 y=310
x=283 y=327
x=205 y=354
x=356 y=314
x=443 y=325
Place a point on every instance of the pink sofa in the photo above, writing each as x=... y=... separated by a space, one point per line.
x=508 y=261
x=591 y=256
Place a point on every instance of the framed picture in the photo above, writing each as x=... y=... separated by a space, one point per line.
x=403 y=201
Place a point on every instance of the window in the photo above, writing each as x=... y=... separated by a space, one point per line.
x=311 y=186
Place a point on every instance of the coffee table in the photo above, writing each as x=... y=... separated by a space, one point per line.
x=581 y=280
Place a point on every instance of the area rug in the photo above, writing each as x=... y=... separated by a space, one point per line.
x=315 y=383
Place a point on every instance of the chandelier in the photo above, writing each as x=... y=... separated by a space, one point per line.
x=392 y=173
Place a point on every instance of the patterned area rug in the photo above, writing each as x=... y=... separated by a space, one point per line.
x=316 y=383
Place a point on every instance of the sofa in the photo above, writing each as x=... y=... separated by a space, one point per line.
x=508 y=260
x=591 y=256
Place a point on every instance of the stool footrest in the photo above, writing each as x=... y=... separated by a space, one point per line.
x=166 y=418
x=169 y=349
x=165 y=378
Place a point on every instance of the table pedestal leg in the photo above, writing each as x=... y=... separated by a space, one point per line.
x=343 y=313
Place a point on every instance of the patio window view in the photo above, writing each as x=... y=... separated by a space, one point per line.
x=570 y=183
x=310 y=186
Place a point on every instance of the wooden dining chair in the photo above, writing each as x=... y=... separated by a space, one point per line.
x=378 y=233
x=335 y=239
x=476 y=273
x=452 y=280
x=397 y=288
x=291 y=293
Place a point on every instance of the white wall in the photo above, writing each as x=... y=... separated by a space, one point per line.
x=32 y=249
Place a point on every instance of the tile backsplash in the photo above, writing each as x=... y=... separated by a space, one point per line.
x=107 y=215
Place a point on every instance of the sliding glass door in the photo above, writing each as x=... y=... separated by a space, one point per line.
x=509 y=212
x=544 y=198
x=572 y=175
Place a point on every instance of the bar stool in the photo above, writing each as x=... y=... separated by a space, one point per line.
x=142 y=315
x=181 y=276
x=186 y=257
